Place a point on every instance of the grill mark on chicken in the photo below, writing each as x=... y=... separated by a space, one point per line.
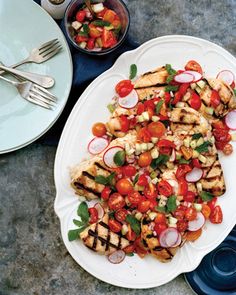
x=87 y=189
x=155 y=85
x=104 y=241
x=95 y=237
x=158 y=248
x=85 y=173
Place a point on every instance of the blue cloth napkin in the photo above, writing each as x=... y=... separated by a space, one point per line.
x=85 y=69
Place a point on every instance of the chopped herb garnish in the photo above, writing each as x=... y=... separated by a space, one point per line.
x=170 y=70
x=166 y=123
x=205 y=196
x=171 y=204
x=158 y=106
x=169 y=88
x=197 y=136
x=170 y=78
x=183 y=161
x=111 y=214
x=160 y=209
x=119 y=158
x=170 y=105
x=234 y=90
x=105 y=180
x=110 y=178
x=133 y=71
x=161 y=160
x=101 y=23
x=111 y=108
x=136 y=179
x=134 y=223
x=203 y=147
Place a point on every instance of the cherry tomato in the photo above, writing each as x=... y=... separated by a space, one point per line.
x=177 y=98
x=216 y=215
x=145 y=159
x=124 y=87
x=94 y=32
x=139 y=248
x=167 y=97
x=220 y=145
x=144 y=206
x=140 y=108
x=93 y=215
x=114 y=225
x=99 y=129
x=195 y=101
x=109 y=16
x=228 y=149
x=221 y=135
x=192 y=65
x=153 y=204
x=142 y=180
x=101 y=13
x=131 y=236
x=232 y=85
x=79 y=39
x=105 y=193
x=219 y=125
x=206 y=211
x=149 y=104
x=121 y=214
x=144 y=135
x=179 y=213
x=215 y=98
x=124 y=123
x=196 y=163
x=182 y=170
x=108 y=38
x=116 y=201
x=124 y=186
x=165 y=143
x=183 y=88
x=134 y=198
x=165 y=188
x=150 y=191
x=129 y=170
x=116 y=23
x=159 y=227
x=193 y=235
x=183 y=187
x=212 y=203
x=160 y=218
x=150 y=112
x=156 y=129
x=91 y=43
x=182 y=225
x=80 y=16
x=129 y=249
x=165 y=150
x=190 y=214
x=189 y=197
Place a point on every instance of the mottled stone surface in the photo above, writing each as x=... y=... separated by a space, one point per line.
x=33 y=258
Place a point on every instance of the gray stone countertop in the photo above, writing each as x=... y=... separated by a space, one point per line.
x=33 y=258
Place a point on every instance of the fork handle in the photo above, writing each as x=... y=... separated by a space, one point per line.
x=44 y=81
x=24 y=61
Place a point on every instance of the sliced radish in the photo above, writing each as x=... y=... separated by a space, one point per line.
x=129 y=101
x=184 y=78
x=100 y=210
x=168 y=237
x=117 y=256
x=172 y=156
x=197 y=76
x=194 y=175
x=178 y=242
x=97 y=145
x=108 y=157
x=174 y=183
x=230 y=120
x=197 y=223
x=227 y=76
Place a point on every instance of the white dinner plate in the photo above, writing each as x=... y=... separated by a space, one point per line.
x=24 y=25
x=134 y=272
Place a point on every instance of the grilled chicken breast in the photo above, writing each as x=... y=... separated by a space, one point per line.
x=148 y=91
x=99 y=238
x=156 y=77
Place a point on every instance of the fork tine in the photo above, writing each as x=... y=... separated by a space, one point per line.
x=35 y=101
x=40 y=92
x=47 y=44
x=53 y=52
x=40 y=98
x=57 y=43
x=46 y=92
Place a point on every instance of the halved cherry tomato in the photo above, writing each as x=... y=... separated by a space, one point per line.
x=93 y=215
x=195 y=101
x=144 y=206
x=183 y=187
x=94 y=32
x=145 y=159
x=215 y=98
x=165 y=143
x=159 y=227
x=140 y=108
x=150 y=191
x=80 y=16
x=222 y=135
x=129 y=170
x=139 y=248
x=196 y=163
x=179 y=213
x=189 y=197
x=192 y=65
x=109 y=16
x=116 y=23
x=177 y=98
x=79 y=39
x=153 y=204
x=108 y=39
x=105 y=193
x=121 y=214
x=228 y=149
x=182 y=170
x=99 y=129
x=183 y=88
x=91 y=43
x=219 y=125
x=116 y=201
x=220 y=145
x=216 y=215
x=144 y=135
x=212 y=203
x=156 y=129
x=190 y=214
x=193 y=235
x=142 y=180
x=206 y=211
x=131 y=236
x=101 y=13
x=165 y=188
x=124 y=87
x=187 y=152
x=167 y=97
x=129 y=249
x=160 y=218
x=124 y=186
x=124 y=123
x=182 y=225
x=165 y=150
x=149 y=104
x=134 y=198
x=114 y=225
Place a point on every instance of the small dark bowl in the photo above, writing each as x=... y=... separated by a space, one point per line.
x=117 y=5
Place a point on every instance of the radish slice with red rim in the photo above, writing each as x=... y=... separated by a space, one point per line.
x=194 y=175
x=168 y=237
x=108 y=157
x=178 y=242
x=97 y=145
x=230 y=120
x=196 y=75
x=117 y=257
x=197 y=223
x=100 y=210
x=184 y=78
x=172 y=156
x=227 y=76
x=129 y=101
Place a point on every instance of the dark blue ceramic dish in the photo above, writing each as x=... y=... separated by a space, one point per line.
x=216 y=275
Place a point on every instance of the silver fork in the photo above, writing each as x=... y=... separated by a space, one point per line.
x=40 y=54
x=34 y=93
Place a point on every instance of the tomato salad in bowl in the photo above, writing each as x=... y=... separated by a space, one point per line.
x=154 y=168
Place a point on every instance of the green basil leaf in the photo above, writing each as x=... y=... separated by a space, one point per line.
x=111 y=214
x=83 y=212
x=171 y=204
x=130 y=254
x=110 y=178
x=101 y=23
x=183 y=161
x=81 y=33
x=101 y=179
x=134 y=223
x=73 y=234
x=234 y=90
x=170 y=78
x=169 y=88
x=161 y=209
x=166 y=123
x=85 y=29
x=205 y=196
x=197 y=136
x=119 y=158
x=158 y=106
x=78 y=222
x=161 y=160
x=111 y=108
x=203 y=147
x=170 y=70
x=133 y=71
x=136 y=179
